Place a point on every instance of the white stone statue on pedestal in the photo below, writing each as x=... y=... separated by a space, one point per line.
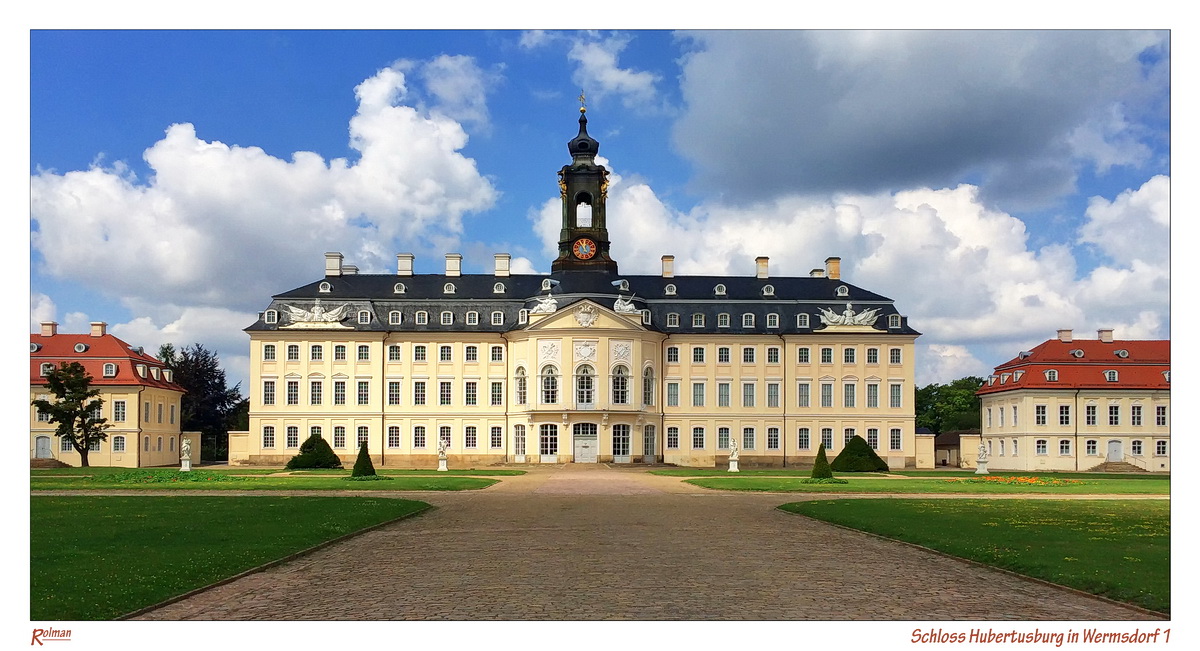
x=981 y=460
x=733 y=455
x=185 y=455
x=442 y=455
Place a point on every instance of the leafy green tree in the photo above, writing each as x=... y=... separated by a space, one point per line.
x=75 y=408
x=821 y=469
x=362 y=465
x=945 y=407
x=857 y=456
x=314 y=453
x=209 y=404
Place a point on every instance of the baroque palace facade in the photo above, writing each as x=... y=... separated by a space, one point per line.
x=584 y=365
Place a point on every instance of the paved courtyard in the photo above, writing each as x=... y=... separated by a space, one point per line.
x=584 y=543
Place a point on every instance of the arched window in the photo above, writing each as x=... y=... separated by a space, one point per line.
x=270 y=316
x=843 y=290
x=1110 y=376
x=498 y=288
x=669 y=290
x=324 y=288
x=648 y=386
x=394 y=317
x=522 y=385
x=768 y=290
x=422 y=317
x=110 y=370
x=364 y=317
x=620 y=386
x=894 y=321
x=585 y=385
x=547 y=285
x=549 y=385
x=448 y=288
x=472 y=318
x=747 y=320
x=399 y=288
x=719 y=290
x=47 y=369
x=1051 y=375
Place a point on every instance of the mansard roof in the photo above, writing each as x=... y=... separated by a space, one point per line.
x=1082 y=364
x=94 y=353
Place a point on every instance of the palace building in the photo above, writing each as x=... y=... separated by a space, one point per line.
x=1071 y=404
x=583 y=365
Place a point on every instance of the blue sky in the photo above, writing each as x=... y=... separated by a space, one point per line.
x=998 y=185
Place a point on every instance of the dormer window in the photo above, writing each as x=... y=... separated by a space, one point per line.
x=842 y=290
x=1110 y=376
x=991 y=380
x=394 y=317
x=33 y=348
x=672 y=320
x=81 y=348
x=1166 y=376
x=1122 y=353
x=1017 y=375
x=168 y=375
x=447 y=318
x=768 y=290
x=747 y=320
x=723 y=320
x=270 y=316
x=622 y=285
x=772 y=320
x=547 y=285
x=498 y=288
x=472 y=318
x=141 y=369
x=719 y=290
x=364 y=317
x=894 y=321
x=645 y=317
x=154 y=372
x=448 y=288
x=422 y=318
x=110 y=370
x=1077 y=353
x=1051 y=375
x=47 y=369
x=669 y=290
x=1004 y=377
x=523 y=316
x=399 y=288
x=497 y=318
x=801 y=320
x=324 y=288
x=697 y=320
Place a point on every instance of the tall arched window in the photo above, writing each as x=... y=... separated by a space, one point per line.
x=549 y=385
x=620 y=386
x=522 y=385
x=648 y=386
x=585 y=385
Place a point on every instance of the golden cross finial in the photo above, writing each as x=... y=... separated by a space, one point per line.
x=582 y=102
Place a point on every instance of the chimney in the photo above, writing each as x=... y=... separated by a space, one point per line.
x=668 y=266
x=453 y=264
x=350 y=270
x=1105 y=335
x=100 y=327
x=502 y=263
x=404 y=264
x=816 y=273
x=1064 y=336
x=833 y=267
x=760 y=266
x=49 y=328
x=333 y=264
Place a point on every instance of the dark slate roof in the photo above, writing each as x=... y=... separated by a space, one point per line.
x=692 y=295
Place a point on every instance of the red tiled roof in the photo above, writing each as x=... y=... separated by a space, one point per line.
x=1081 y=365
x=105 y=349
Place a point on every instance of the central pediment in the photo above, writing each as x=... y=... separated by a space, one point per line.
x=586 y=315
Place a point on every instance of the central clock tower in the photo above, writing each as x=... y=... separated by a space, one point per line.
x=583 y=240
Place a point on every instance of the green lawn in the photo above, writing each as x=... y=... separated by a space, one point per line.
x=161 y=479
x=757 y=472
x=96 y=558
x=859 y=484
x=97 y=471
x=1114 y=548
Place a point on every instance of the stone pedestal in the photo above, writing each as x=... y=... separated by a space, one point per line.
x=733 y=465
x=442 y=466
x=185 y=465
x=981 y=468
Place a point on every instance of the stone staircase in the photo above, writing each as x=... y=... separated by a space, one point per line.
x=47 y=463
x=1116 y=466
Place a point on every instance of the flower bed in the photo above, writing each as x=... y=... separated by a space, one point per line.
x=1016 y=481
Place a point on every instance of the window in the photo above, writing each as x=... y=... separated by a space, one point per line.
x=1135 y=415
x=1014 y=417
x=1000 y=411
x=672 y=354
x=497 y=437
x=772 y=354
x=1090 y=447
x=772 y=394
x=471 y=393
x=364 y=392
x=394 y=317
x=364 y=353
x=697 y=320
x=497 y=394
x=64 y=444
x=826 y=394
x=827 y=437
x=268 y=353
x=444 y=353
x=522 y=386
x=873 y=438
x=362 y=435
x=268 y=437
x=1064 y=446
x=314 y=392
x=723 y=355
x=894 y=439
x=471 y=353
x=802 y=439
x=470 y=437
x=364 y=317
x=747 y=320
x=324 y=288
x=448 y=288
x=697 y=438
x=672 y=394
x=293 y=394
x=872 y=355
x=419 y=353
x=722 y=394
x=110 y=370
x=339 y=392
x=872 y=396
x=447 y=318
x=1160 y=448
x=1110 y=376
x=146 y=412
x=772 y=320
x=893 y=355
x=747 y=394
x=497 y=353
x=422 y=318
x=293 y=437
x=398 y=288
x=646 y=317
x=723 y=320
x=1039 y=415
x=472 y=318
x=768 y=290
x=1088 y=411
x=1052 y=375
x=1114 y=414
x=719 y=289
x=894 y=398
x=1039 y=446
x=894 y=321
x=848 y=355
x=648 y=386
x=444 y=393
x=118 y=412
x=802 y=394
x=620 y=440
x=620 y=386
x=585 y=384
x=697 y=355
x=673 y=438
x=1135 y=448
x=772 y=438
x=497 y=318
x=1160 y=416
x=293 y=353
x=826 y=355
x=118 y=444
x=802 y=355
x=549 y=385
x=393 y=392
x=722 y=438
x=339 y=437
x=393 y=436
x=268 y=395
x=271 y=316
x=801 y=320
x=672 y=320
x=747 y=355
x=419 y=436
x=522 y=316
x=669 y=290
x=848 y=396
x=748 y=438
x=315 y=430
x=519 y=439
x=394 y=353
x=1014 y=447
x=847 y=434
x=548 y=442
x=1064 y=414
x=697 y=394
x=339 y=353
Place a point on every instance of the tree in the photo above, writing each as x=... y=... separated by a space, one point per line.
x=857 y=456
x=821 y=469
x=362 y=465
x=208 y=405
x=314 y=453
x=945 y=407
x=76 y=408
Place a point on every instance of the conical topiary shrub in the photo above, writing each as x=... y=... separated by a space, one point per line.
x=821 y=469
x=314 y=453
x=362 y=465
x=857 y=456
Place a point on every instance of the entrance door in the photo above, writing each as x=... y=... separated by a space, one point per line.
x=620 y=443
x=649 y=440
x=586 y=441
x=548 y=443
x=1114 y=451
x=42 y=448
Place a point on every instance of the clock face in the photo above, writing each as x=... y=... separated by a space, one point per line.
x=584 y=248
